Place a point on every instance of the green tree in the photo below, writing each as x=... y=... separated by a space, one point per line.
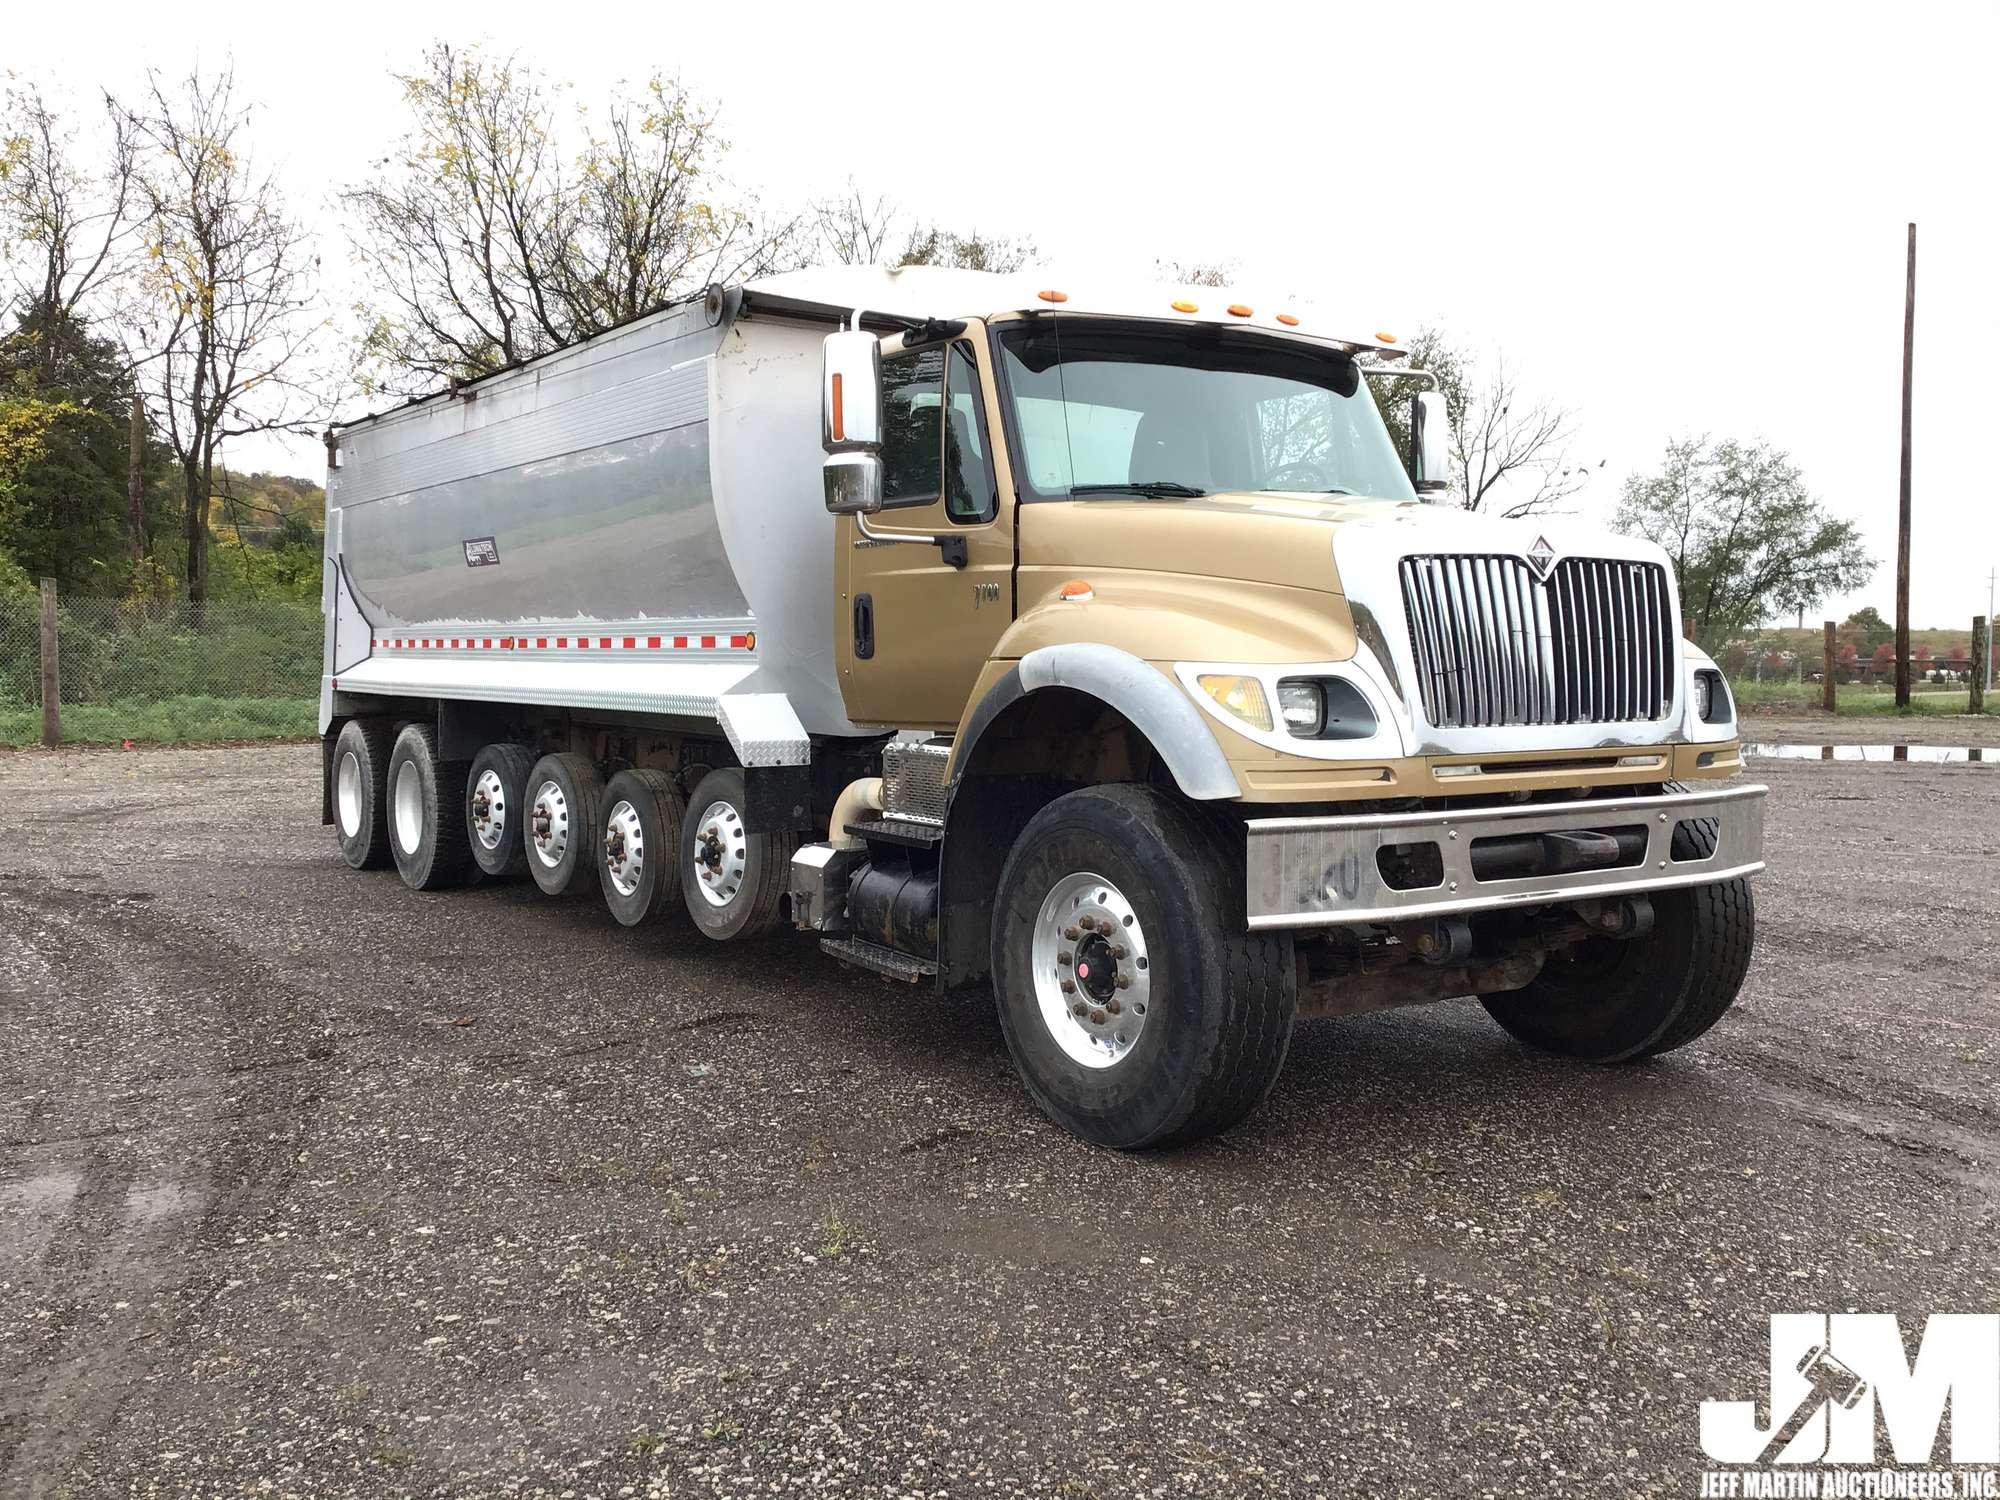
x=1746 y=536
x=1867 y=628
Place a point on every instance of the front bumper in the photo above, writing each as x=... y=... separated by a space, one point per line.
x=1325 y=872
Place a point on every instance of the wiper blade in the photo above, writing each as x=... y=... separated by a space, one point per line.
x=1152 y=489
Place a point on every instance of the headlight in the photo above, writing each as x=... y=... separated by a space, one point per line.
x=1302 y=705
x=1711 y=698
x=1240 y=697
x=1702 y=696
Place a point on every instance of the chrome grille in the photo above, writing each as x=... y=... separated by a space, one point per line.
x=1495 y=645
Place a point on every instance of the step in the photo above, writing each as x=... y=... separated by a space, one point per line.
x=887 y=961
x=892 y=830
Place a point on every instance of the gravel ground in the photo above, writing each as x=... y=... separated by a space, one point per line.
x=310 y=1185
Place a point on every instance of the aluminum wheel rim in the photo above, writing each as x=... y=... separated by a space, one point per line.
x=721 y=854
x=1093 y=977
x=625 y=848
x=409 y=807
x=549 y=826
x=489 y=810
x=347 y=793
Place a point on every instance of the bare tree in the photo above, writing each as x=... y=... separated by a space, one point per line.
x=229 y=283
x=853 y=231
x=68 y=229
x=64 y=226
x=1509 y=454
x=1196 y=272
x=930 y=245
x=499 y=230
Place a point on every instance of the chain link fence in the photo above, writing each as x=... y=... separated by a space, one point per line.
x=163 y=673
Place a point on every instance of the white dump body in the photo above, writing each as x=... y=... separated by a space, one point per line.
x=631 y=524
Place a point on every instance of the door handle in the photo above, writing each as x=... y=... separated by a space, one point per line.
x=864 y=626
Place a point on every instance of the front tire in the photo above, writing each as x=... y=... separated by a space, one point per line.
x=426 y=821
x=1613 y=1001
x=1175 y=1021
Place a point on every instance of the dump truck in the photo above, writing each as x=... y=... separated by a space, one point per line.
x=1099 y=644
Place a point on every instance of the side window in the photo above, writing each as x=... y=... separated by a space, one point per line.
x=968 y=472
x=912 y=402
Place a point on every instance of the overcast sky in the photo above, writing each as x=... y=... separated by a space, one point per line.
x=1675 y=219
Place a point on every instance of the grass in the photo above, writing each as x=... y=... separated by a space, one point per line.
x=1852 y=699
x=166 y=721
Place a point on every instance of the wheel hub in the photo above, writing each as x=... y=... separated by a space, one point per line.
x=348 y=794
x=548 y=824
x=489 y=810
x=721 y=853
x=1092 y=972
x=625 y=848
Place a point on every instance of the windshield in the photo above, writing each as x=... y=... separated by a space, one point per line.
x=1183 y=410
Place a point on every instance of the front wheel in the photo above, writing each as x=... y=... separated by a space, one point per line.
x=1612 y=1001
x=1138 y=1009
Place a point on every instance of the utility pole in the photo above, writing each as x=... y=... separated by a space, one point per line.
x=1903 y=498
x=1985 y=668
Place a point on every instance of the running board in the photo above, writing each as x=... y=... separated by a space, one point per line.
x=886 y=961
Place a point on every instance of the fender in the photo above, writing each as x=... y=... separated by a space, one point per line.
x=1150 y=699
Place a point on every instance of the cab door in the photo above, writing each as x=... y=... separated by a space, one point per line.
x=915 y=626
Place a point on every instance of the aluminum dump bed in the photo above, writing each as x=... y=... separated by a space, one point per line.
x=630 y=524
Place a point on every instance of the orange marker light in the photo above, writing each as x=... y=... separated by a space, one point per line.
x=1288 y=320
x=1186 y=306
x=839 y=412
x=1053 y=296
x=1076 y=591
x=1238 y=310
x=1387 y=338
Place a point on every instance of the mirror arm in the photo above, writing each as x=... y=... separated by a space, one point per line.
x=953 y=547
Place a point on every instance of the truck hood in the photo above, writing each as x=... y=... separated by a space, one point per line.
x=1296 y=540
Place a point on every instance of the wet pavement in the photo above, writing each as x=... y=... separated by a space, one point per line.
x=313 y=1186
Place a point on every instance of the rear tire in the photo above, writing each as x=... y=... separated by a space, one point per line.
x=1613 y=1001
x=496 y=802
x=642 y=843
x=426 y=821
x=732 y=881
x=1143 y=896
x=361 y=792
x=562 y=834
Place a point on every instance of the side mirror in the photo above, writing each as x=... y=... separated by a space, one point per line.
x=853 y=483
x=851 y=393
x=851 y=422
x=1430 y=442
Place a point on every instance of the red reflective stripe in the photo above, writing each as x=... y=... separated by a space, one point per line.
x=652 y=643
x=488 y=643
x=741 y=642
x=583 y=643
x=541 y=643
x=630 y=643
x=708 y=643
x=604 y=643
x=680 y=643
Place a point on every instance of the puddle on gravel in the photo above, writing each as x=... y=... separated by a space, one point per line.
x=1930 y=755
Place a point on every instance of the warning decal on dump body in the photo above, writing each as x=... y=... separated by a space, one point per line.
x=481 y=552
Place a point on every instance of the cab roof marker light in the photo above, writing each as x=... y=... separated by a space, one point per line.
x=1288 y=319
x=1049 y=294
x=1238 y=310
x=1076 y=591
x=1387 y=338
x=1183 y=305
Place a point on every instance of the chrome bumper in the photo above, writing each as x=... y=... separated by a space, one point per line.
x=1324 y=872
